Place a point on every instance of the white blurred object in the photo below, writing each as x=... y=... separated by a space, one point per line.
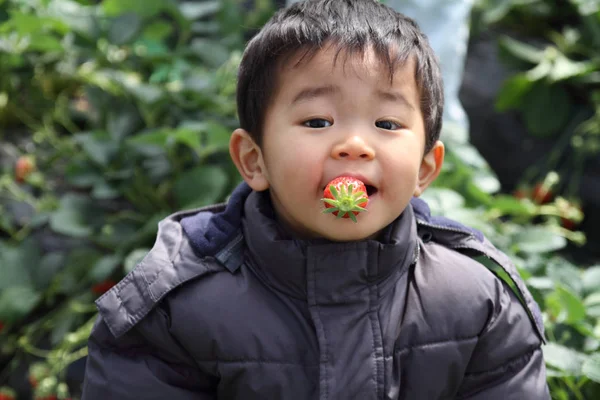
x=446 y=24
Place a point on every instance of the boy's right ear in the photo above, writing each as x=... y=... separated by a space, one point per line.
x=248 y=159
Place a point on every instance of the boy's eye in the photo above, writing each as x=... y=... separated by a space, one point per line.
x=388 y=125
x=317 y=123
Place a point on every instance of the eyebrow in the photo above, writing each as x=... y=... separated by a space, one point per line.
x=310 y=93
x=314 y=92
x=394 y=97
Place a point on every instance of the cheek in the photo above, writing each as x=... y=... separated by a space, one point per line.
x=295 y=166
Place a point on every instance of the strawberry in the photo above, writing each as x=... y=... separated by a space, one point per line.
x=542 y=194
x=23 y=168
x=7 y=393
x=345 y=197
x=103 y=287
x=1 y=326
x=568 y=223
x=37 y=372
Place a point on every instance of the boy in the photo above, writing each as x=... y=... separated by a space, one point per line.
x=268 y=297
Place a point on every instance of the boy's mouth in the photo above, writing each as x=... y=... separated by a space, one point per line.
x=371 y=190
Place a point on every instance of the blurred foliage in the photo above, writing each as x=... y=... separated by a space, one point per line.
x=113 y=114
x=555 y=47
x=116 y=113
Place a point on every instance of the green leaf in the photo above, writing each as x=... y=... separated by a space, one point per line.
x=104 y=268
x=44 y=42
x=134 y=259
x=104 y=191
x=156 y=137
x=17 y=264
x=200 y=186
x=25 y=24
x=509 y=205
x=563 y=358
x=70 y=218
x=540 y=71
x=563 y=273
x=571 y=304
x=512 y=92
x=538 y=240
x=540 y=282
x=522 y=51
x=496 y=11
x=442 y=200
x=82 y=175
x=98 y=146
x=188 y=137
x=214 y=136
x=592 y=304
x=50 y=265
x=591 y=368
x=157 y=31
x=124 y=28
x=591 y=279
x=540 y=121
x=587 y=7
x=192 y=10
x=485 y=181
x=564 y=68
x=77 y=17
x=62 y=324
x=210 y=51
x=75 y=274
x=144 y=8
x=206 y=28
x=146 y=93
x=16 y=302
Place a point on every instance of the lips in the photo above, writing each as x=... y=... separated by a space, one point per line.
x=371 y=188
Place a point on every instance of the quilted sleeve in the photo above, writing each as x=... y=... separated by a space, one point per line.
x=142 y=365
x=507 y=363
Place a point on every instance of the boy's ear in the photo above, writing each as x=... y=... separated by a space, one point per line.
x=248 y=159
x=431 y=167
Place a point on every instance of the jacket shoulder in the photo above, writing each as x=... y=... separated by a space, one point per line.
x=170 y=263
x=475 y=264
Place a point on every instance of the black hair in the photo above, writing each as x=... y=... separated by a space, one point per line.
x=352 y=26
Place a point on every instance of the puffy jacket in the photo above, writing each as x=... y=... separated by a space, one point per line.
x=227 y=306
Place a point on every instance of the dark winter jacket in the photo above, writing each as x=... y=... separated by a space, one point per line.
x=227 y=306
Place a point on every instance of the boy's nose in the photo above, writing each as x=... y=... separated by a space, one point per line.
x=353 y=148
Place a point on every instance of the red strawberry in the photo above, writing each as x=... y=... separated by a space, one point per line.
x=103 y=287
x=37 y=372
x=23 y=168
x=7 y=393
x=345 y=197
x=568 y=223
x=1 y=326
x=542 y=194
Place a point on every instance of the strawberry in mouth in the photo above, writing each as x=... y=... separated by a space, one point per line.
x=346 y=197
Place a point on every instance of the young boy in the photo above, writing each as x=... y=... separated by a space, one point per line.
x=268 y=297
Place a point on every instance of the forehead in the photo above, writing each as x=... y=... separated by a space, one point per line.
x=329 y=63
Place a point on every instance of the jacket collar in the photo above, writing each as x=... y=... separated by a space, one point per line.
x=343 y=269
x=216 y=231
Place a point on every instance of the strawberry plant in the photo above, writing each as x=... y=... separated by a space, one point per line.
x=113 y=115
x=116 y=113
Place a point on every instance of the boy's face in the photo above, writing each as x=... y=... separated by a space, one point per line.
x=330 y=119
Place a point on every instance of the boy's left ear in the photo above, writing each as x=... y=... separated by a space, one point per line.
x=431 y=167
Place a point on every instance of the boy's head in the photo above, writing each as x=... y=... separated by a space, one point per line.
x=338 y=87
